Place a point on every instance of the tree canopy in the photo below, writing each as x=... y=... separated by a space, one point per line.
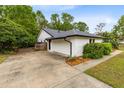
x=13 y=35
x=81 y=26
x=99 y=27
x=23 y=15
x=18 y=27
x=55 y=22
x=65 y=22
x=108 y=36
x=118 y=29
x=41 y=20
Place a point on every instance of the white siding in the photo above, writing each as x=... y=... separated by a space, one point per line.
x=98 y=40
x=63 y=47
x=42 y=36
x=78 y=44
x=60 y=46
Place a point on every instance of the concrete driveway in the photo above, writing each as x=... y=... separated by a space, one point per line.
x=41 y=69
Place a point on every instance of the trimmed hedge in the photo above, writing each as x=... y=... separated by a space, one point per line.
x=93 y=50
x=96 y=50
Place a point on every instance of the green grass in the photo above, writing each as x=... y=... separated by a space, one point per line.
x=110 y=71
x=2 y=57
x=121 y=47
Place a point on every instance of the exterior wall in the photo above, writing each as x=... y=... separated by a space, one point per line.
x=98 y=40
x=42 y=36
x=63 y=47
x=78 y=43
x=60 y=46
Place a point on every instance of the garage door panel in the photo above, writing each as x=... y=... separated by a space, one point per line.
x=60 y=46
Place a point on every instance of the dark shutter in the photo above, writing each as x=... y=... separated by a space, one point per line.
x=93 y=40
x=90 y=41
x=49 y=44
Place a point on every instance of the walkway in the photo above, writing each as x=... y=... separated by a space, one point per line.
x=84 y=80
x=92 y=63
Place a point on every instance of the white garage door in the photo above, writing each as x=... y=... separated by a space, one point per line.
x=60 y=46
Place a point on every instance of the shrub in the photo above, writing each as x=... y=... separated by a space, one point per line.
x=97 y=50
x=94 y=50
x=24 y=39
x=115 y=43
x=110 y=37
x=13 y=36
x=107 y=48
x=7 y=41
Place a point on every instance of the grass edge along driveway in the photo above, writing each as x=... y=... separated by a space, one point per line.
x=110 y=72
x=2 y=58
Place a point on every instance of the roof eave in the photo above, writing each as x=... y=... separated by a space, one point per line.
x=72 y=36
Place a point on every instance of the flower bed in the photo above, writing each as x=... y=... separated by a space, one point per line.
x=76 y=60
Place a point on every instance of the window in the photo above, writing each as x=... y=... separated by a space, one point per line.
x=91 y=41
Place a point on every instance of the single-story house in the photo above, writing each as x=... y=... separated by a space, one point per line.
x=69 y=43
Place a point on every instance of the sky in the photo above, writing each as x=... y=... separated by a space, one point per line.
x=92 y=15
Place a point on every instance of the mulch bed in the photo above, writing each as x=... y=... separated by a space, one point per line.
x=76 y=60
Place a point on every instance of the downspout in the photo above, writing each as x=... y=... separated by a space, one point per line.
x=70 y=46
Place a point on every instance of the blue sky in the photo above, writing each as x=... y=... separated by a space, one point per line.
x=90 y=14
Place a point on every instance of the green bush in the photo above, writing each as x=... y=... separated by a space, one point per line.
x=107 y=48
x=110 y=37
x=96 y=50
x=93 y=50
x=115 y=43
x=14 y=36
x=7 y=41
x=24 y=39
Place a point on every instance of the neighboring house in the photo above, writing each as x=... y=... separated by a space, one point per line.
x=69 y=43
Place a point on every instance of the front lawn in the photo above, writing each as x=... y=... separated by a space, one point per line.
x=121 y=47
x=110 y=71
x=2 y=57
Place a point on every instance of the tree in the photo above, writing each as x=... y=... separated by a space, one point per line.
x=99 y=27
x=118 y=29
x=55 y=22
x=23 y=15
x=110 y=37
x=2 y=9
x=14 y=35
x=18 y=27
x=67 y=20
x=65 y=23
x=66 y=26
x=41 y=21
x=81 y=26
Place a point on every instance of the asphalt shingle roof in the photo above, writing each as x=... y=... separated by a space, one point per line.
x=62 y=34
